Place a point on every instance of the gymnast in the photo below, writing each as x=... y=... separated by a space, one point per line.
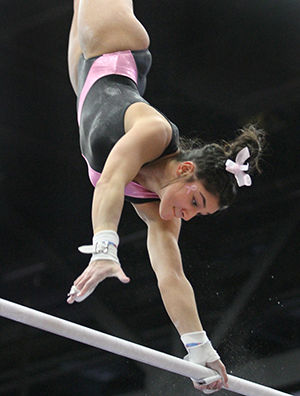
x=133 y=153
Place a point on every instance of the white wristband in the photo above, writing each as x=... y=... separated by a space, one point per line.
x=199 y=348
x=105 y=246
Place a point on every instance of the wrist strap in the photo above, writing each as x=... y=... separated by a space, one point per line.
x=193 y=339
x=104 y=247
x=199 y=348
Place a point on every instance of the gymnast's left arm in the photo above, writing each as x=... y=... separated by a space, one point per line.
x=176 y=291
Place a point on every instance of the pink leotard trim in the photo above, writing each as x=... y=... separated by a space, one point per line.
x=121 y=62
x=132 y=189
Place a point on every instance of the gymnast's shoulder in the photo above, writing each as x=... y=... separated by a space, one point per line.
x=143 y=113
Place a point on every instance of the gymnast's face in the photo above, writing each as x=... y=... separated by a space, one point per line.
x=186 y=199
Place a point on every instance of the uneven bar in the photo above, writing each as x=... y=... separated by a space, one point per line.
x=64 y=328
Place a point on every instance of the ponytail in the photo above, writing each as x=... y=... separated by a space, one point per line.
x=210 y=160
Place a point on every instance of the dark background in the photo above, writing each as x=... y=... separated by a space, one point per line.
x=217 y=65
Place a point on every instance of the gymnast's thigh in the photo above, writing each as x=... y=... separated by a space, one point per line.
x=106 y=26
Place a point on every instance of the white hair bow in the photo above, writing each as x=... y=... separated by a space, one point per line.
x=238 y=167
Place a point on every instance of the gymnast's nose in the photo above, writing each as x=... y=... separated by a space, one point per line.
x=188 y=214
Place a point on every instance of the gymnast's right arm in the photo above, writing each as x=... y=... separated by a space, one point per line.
x=147 y=138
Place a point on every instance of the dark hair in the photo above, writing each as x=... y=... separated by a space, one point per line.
x=210 y=161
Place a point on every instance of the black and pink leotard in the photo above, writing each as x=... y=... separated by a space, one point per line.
x=107 y=86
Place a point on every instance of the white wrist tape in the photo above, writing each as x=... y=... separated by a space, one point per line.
x=199 y=348
x=105 y=246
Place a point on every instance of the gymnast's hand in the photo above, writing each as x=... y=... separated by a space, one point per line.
x=200 y=351
x=214 y=386
x=103 y=264
x=95 y=273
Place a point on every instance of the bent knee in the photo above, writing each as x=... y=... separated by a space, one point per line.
x=111 y=35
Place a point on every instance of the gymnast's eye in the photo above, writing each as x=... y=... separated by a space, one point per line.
x=195 y=203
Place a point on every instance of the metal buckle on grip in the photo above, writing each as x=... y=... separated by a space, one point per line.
x=103 y=248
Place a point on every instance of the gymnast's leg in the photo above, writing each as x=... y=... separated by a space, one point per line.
x=74 y=49
x=109 y=25
x=103 y=26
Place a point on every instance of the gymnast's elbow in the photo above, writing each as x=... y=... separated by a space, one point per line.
x=109 y=180
x=109 y=190
x=175 y=289
x=170 y=278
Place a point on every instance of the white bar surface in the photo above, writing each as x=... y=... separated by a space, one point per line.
x=97 y=339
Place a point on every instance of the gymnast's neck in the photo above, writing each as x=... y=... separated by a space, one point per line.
x=158 y=173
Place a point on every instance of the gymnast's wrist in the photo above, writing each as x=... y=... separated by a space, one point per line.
x=104 y=247
x=199 y=348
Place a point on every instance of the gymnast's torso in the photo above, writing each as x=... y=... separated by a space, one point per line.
x=107 y=86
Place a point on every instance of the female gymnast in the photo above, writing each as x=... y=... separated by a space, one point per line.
x=132 y=150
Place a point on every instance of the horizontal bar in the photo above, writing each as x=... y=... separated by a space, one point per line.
x=109 y=343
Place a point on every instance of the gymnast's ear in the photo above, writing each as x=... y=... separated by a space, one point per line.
x=185 y=168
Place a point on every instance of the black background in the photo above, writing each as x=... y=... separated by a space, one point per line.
x=216 y=66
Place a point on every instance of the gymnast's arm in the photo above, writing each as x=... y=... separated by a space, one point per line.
x=176 y=291
x=142 y=143
x=145 y=141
